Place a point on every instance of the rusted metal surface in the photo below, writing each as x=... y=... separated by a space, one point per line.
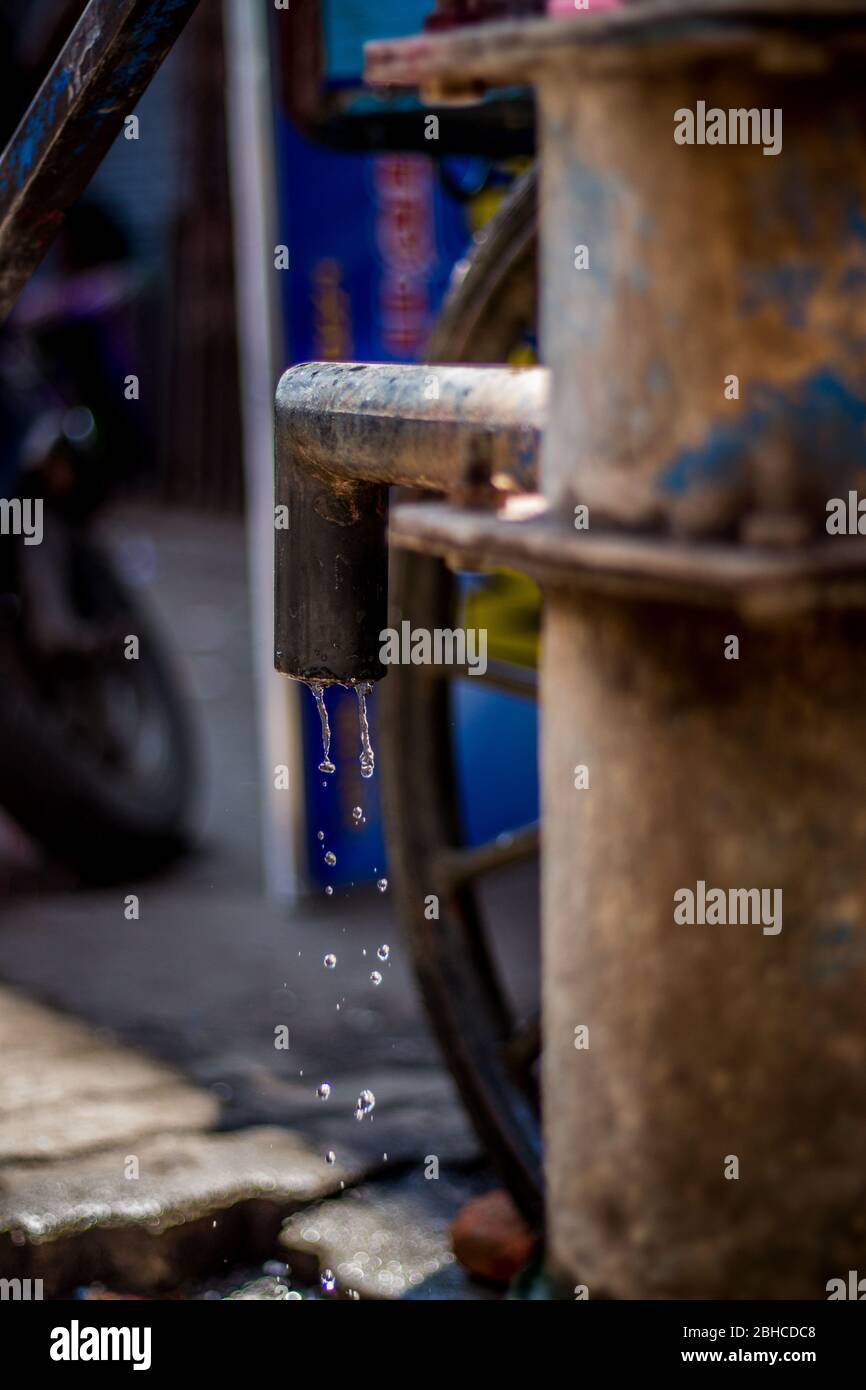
x=708 y=373
x=417 y=426
x=103 y=69
x=703 y=573
x=345 y=433
x=706 y=1043
x=705 y=264
x=523 y=50
x=716 y=384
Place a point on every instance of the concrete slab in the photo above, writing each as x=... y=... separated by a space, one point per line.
x=65 y=1091
x=391 y=1241
x=107 y=1173
x=200 y=1202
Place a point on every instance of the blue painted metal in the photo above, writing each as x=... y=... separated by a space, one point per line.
x=106 y=64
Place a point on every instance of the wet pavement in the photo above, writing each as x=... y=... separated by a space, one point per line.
x=212 y=967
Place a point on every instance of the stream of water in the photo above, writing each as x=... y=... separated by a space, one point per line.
x=368 y=759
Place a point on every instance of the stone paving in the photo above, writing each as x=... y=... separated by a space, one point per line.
x=65 y=1091
x=388 y=1241
x=154 y=1040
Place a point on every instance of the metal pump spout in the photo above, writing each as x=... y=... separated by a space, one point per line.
x=345 y=433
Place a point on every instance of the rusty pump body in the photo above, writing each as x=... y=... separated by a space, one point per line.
x=709 y=1142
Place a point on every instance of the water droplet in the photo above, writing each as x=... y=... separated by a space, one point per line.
x=330 y=961
x=324 y=1090
x=365 y=1103
x=330 y=892
x=329 y=1283
x=383 y=952
x=382 y=885
x=330 y=1156
x=330 y=857
x=368 y=761
x=319 y=695
x=357 y=814
x=321 y=835
x=376 y=977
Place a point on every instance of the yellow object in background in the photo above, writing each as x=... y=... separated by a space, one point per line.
x=508 y=605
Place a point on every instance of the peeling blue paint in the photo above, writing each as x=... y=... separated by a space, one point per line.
x=591 y=211
x=717 y=460
x=75 y=115
x=822 y=418
x=836 y=949
x=785 y=287
x=854 y=279
x=658 y=379
x=26 y=149
x=143 y=43
x=855 y=219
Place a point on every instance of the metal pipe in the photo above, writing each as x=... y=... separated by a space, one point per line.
x=104 y=67
x=347 y=432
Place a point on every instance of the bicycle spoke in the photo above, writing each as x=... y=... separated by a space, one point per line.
x=454 y=867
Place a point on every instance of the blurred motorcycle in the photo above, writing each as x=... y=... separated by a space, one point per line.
x=96 y=755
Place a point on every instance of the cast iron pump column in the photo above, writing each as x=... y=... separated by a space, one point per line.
x=704 y=324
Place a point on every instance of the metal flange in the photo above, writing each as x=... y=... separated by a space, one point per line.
x=524 y=535
x=521 y=50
